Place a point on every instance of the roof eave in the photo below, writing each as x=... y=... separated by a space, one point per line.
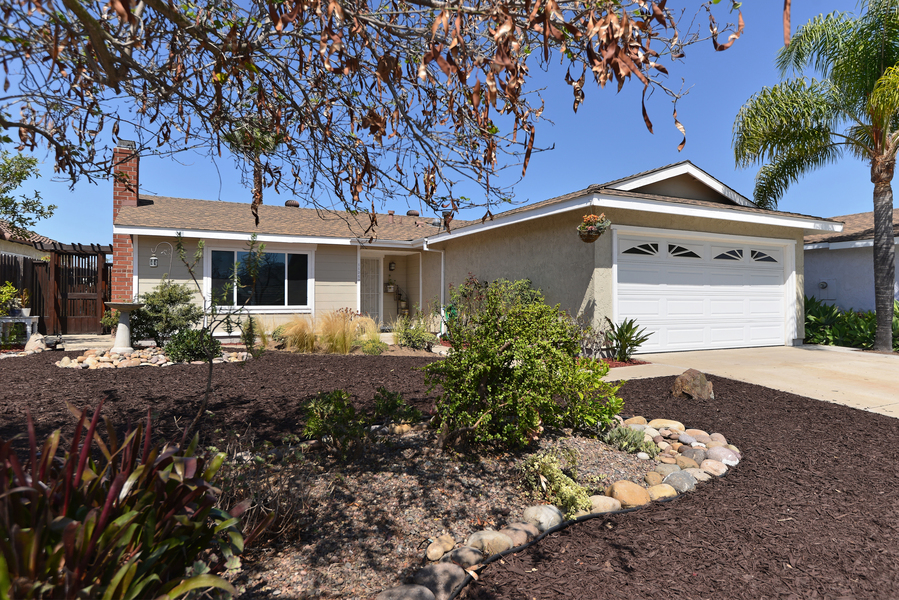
x=603 y=201
x=269 y=238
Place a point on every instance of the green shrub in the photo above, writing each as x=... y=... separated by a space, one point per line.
x=542 y=473
x=625 y=338
x=412 y=332
x=8 y=293
x=193 y=344
x=168 y=309
x=827 y=325
x=391 y=407
x=373 y=347
x=333 y=420
x=110 y=320
x=630 y=441
x=512 y=368
x=112 y=520
x=279 y=335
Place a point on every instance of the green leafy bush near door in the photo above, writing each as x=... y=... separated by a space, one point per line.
x=826 y=324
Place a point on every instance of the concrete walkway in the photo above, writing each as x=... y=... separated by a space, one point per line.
x=863 y=380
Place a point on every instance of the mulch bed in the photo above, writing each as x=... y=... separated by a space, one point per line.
x=809 y=513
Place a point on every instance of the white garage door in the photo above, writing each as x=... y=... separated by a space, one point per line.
x=692 y=295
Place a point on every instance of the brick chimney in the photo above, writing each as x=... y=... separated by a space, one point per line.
x=125 y=186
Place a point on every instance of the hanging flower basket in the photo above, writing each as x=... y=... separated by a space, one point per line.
x=592 y=227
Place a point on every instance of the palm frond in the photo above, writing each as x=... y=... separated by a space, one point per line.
x=883 y=103
x=774 y=178
x=816 y=44
x=793 y=116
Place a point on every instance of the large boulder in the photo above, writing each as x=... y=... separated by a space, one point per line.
x=489 y=542
x=693 y=384
x=440 y=578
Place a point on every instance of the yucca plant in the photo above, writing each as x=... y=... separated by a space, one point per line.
x=625 y=338
x=113 y=520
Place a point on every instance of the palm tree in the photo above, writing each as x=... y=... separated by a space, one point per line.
x=803 y=124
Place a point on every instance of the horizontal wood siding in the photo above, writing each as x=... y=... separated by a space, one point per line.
x=335 y=278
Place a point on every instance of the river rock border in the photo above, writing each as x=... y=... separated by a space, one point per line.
x=687 y=457
x=144 y=357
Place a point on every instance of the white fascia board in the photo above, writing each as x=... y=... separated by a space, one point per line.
x=641 y=205
x=685 y=169
x=262 y=237
x=707 y=212
x=869 y=243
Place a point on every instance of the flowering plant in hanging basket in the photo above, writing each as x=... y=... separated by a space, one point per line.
x=592 y=227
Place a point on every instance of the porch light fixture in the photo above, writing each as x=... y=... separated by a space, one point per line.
x=392 y=266
x=154 y=262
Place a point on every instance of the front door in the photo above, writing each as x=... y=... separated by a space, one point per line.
x=371 y=288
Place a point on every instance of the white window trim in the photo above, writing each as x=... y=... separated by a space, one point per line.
x=788 y=247
x=307 y=249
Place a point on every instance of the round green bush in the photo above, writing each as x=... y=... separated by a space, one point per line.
x=193 y=344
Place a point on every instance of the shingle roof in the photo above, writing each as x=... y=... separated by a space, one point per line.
x=859 y=226
x=6 y=233
x=209 y=215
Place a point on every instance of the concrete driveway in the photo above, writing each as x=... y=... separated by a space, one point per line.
x=862 y=380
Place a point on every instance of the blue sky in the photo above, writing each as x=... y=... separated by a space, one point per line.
x=605 y=140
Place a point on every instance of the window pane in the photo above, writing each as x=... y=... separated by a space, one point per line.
x=222 y=267
x=297 y=275
x=269 y=289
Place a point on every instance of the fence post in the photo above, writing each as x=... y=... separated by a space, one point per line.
x=101 y=288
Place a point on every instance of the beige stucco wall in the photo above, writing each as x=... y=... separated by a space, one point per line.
x=7 y=247
x=547 y=251
x=576 y=275
x=169 y=264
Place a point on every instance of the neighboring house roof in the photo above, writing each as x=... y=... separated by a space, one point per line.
x=181 y=214
x=7 y=234
x=857 y=227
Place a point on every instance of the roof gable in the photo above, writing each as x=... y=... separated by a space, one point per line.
x=680 y=180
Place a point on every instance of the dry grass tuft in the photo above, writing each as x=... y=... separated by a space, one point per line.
x=299 y=334
x=337 y=332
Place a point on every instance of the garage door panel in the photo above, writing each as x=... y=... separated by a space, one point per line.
x=707 y=302
x=640 y=307
x=640 y=274
x=727 y=307
x=685 y=336
x=727 y=334
x=685 y=308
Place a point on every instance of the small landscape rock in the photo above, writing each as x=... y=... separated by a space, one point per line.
x=667 y=424
x=604 y=504
x=699 y=474
x=629 y=494
x=406 y=592
x=642 y=456
x=723 y=455
x=635 y=421
x=440 y=578
x=544 y=516
x=464 y=556
x=682 y=481
x=717 y=437
x=686 y=463
x=713 y=467
x=489 y=542
x=652 y=478
x=665 y=469
x=663 y=490
x=693 y=384
x=520 y=533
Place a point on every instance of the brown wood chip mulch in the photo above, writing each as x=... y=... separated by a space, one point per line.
x=809 y=513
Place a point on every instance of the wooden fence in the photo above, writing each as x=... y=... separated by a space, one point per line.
x=68 y=291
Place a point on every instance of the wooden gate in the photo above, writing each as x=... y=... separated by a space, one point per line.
x=70 y=289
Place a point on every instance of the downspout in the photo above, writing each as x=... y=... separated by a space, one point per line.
x=442 y=280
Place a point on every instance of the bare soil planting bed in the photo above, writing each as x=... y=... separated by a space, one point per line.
x=809 y=513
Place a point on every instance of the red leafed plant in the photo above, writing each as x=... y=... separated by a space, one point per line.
x=138 y=522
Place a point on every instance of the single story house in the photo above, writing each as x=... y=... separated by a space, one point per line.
x=839 y=265
x=694 y=262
